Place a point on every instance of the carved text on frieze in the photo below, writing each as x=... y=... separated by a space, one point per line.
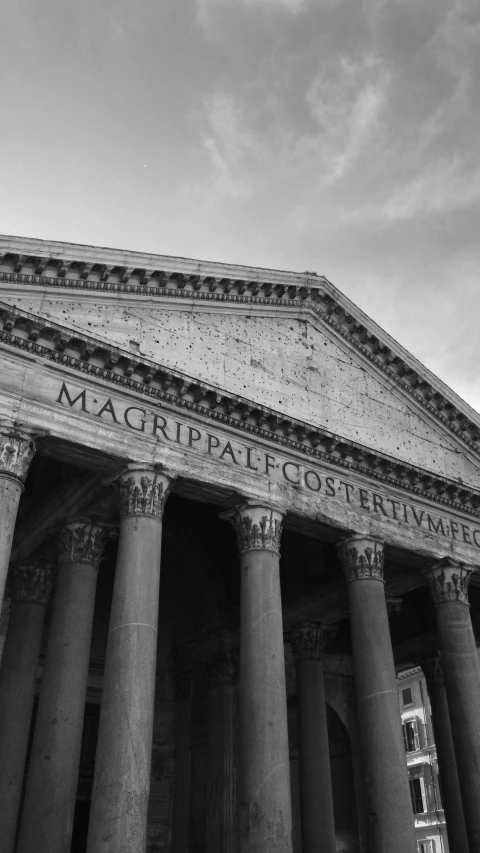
x=171 y=431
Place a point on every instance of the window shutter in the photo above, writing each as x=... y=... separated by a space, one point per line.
x=415 y=734
x=424 y=794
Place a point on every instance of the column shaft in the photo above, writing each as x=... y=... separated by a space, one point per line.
x=462 y=682
x=32 y=586
x=378 y=710
x=449 y=782
x=47 y=819
x=10 y=493
x=448 y=582
x=318 y=823
x=118 y=817
x=222 y=813
x=183 y=738
x=16 y=452
x=264 y=762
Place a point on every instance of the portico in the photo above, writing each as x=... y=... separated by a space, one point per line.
x=185 y=631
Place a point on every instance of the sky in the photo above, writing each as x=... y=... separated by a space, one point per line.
x=341 y=136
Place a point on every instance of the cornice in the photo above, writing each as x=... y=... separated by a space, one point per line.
x=64 y=259
x=415 y=671
x=88 y=356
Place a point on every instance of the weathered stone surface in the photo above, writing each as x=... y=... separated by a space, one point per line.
x=378 y=711
x=264 y=780
x=4 y=617
x=294 y=364
x=31 y=589
x=318 y=824
x=451 y=795
x=16 y=452
x=159 y=827
x=461 y=671
x=318 y=490
x=118 y=818
x=47 y=817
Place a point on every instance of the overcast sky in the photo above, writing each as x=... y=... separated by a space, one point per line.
x=341 y=136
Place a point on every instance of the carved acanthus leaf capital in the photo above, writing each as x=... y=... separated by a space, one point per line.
x=33 y=581
x=308 y=640
x=143 y=490
x=394 y=605
x=448 y=581
x=362 y=557
x=222 y=668
x=17 y=449
x=258 y=527
x=184 y=683
x=81 y=541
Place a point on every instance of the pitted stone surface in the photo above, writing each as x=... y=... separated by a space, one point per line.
x=290 y=364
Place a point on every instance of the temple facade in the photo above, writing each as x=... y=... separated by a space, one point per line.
x=232 y=507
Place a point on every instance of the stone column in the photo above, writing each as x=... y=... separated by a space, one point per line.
x=449 y=782
x=184 y=685
x=380 y=728
x=32 y=584
x=16 y=452
x=47 y=818
x=318 y=824
x=4 y=617
x=264 y=768
x=118 y=817
x=222 y=812
x=448 y=583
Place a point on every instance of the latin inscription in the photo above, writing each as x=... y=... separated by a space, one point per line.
x=312 y=479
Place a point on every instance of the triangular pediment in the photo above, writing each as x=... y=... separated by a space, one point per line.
x=299 y=350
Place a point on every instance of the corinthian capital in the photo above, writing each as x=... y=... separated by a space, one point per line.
x=143 y=490
x=308 y=640
x=432 y=668
x=81 y=541
x=362 y=557
x=448 y=581
x=258 y=527
x=17 y=449
x=222 y=668
x=33 y=581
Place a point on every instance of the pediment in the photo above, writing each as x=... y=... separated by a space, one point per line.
x=311 y=358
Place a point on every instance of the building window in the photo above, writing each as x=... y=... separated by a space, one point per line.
x=407 y=697
x=426 y=846
x=417 y=792
x=410 y=736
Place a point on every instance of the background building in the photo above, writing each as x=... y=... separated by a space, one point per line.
x=422 y=761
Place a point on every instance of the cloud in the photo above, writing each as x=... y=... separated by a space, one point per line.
x=209 y=10
x=446 y=185
x=458 y=35
x=293 y=6
x=231 y=145
x=253 y=143
x=346 y=99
